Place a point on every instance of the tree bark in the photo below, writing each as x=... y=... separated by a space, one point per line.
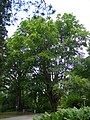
x=18 y=95
x=18 y=101
x=53 y=98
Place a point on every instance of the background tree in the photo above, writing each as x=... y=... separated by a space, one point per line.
x=82 y=68
x=75 y=92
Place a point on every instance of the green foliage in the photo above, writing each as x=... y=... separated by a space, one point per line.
x=88 y=50
x=39 y=54
x=71 y=101
x=67 y=114
x=75 y=92
x=82 y=68
x=76 y=84
x=8 y=15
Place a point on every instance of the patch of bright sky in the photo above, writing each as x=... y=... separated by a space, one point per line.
x=79 y=8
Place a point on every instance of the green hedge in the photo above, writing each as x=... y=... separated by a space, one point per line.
x=67 y=114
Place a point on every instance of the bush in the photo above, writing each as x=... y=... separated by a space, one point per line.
x=67 y=114
x=72 y=100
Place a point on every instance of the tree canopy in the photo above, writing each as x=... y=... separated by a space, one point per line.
x=41 y=52
x=8 y=15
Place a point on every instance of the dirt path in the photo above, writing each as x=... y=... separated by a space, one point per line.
x=25 y=117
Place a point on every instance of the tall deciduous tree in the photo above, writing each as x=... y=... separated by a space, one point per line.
x=8 y=12
x=44 y=50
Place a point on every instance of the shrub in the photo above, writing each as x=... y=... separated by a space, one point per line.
x=67 y=114
x=72 y=100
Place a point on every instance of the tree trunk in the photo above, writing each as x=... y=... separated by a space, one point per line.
x=18 y=103
x=18 y=97
x=52 y=98
x=53 y=106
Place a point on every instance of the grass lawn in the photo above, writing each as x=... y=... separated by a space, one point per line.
x=12 y=114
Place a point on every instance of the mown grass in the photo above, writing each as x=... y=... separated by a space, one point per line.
x=13 y=114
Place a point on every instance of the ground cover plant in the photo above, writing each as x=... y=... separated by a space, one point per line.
x=67 y=114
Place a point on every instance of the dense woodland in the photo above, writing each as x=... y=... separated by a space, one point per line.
x=43 y=66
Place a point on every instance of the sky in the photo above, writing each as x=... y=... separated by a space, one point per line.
x=79 y=8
